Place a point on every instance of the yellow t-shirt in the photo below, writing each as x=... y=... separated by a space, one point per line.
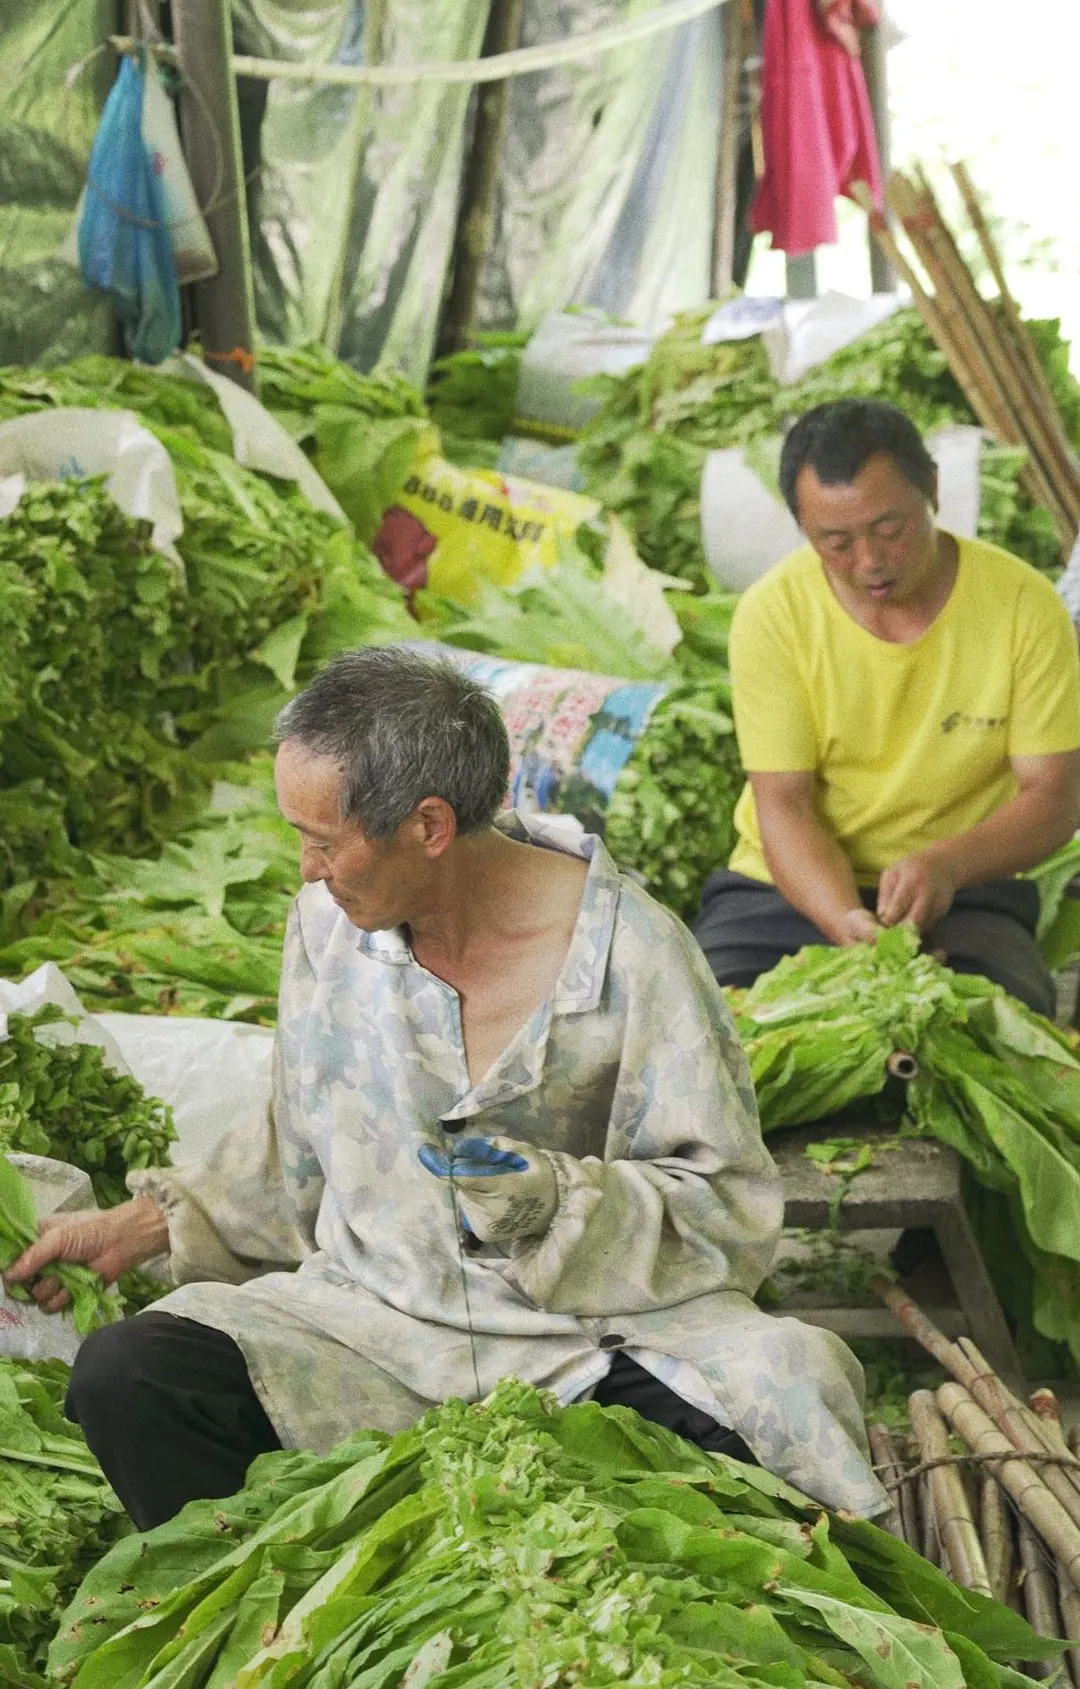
x=910 y=743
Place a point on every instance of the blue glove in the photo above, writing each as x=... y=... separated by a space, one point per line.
x=507 y=1189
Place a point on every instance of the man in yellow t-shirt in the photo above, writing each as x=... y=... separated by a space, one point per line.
x=907 y=707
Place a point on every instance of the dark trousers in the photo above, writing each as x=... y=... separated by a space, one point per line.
x=168 y=1408
x=745 y=927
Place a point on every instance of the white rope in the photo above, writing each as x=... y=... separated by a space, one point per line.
x=521 y=61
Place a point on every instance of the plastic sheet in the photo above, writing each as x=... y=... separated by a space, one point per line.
x=607 y=174
x=356 y=193
x=46 y=129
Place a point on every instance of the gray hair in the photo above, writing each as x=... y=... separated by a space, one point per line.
x=403 y=726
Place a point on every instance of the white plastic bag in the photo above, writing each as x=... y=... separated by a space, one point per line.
x=61 y=444
x=211 y=1072
x=193 y=250
x=26 y=1334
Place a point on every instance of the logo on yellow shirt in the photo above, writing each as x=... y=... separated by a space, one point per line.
x=981 y=723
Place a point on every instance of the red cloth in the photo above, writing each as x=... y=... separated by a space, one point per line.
x=817 y=127
x=845 y=18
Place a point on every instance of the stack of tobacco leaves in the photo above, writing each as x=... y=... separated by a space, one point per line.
x=996 y=1082
x=514 y=1544
x=57 y=1515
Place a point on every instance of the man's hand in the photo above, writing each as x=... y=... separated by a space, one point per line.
x=857 y=926
x=507 y=1189
x=110 y=1243
x=918 y=888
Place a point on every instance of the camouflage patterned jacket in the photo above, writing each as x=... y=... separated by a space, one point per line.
x=316 y=1239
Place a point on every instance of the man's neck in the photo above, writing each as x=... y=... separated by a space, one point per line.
x=474 y=899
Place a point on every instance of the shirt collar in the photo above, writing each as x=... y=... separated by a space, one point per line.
x=581 y=980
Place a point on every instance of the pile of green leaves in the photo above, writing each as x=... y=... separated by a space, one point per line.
x=473 y=398
x=113 y=659
x=643 y=453
x=362 y=432
x=512 y=1545
x=19 y=1229
x=670 y=816
x=57 y=1514
x=195 y=931
x=996 y=1082
x=62 y=1099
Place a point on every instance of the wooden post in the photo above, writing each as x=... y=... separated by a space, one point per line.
x=210 y=124
x=882 y=275
x=727 y=160
x=477 y=215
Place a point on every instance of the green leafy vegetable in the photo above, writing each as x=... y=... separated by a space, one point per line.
x=57 y=1514
x=643 y=453
x=995 y=1081
x=61 y=1098
x=19 y=1229
x=514 y=1543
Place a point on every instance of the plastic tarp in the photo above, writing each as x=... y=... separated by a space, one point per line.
x=355 y=194
x=608 y=172
x=46 y=128
x=605 y=189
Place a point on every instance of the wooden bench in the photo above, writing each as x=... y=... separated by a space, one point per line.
x=914 y=1182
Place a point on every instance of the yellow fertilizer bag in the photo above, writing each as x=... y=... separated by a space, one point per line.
x=452 y=529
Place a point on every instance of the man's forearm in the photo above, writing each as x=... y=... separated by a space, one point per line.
x=810 y=869
x=1019 y=835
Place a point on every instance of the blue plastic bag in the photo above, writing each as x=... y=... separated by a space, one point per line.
x=125 y=247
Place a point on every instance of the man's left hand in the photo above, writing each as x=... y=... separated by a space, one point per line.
x=918 y=888
x=508 y=1189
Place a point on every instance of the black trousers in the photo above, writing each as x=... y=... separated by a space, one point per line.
x=168 y=1408
x=745 y=927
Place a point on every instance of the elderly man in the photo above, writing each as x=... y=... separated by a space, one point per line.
x=908 y=712
x=512 y=1133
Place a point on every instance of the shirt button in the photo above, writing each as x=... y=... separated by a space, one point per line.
x=612 y=1340
x=452 y=1126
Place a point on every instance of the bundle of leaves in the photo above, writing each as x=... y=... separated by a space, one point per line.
x=90 y=1305
x=643 y=453
x=58 y=1516
x=363 y=433
x=995 y=1081
x=473 y=398
x=196 y=930
x=671 y=815
x=61 y=1098
x=513 y=1543
x=114 y=658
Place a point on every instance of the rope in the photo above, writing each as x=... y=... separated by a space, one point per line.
x=1067 y=1460
x=520 y=61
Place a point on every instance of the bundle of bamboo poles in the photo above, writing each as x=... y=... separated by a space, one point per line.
x=986 y=343
x=1007 y=1527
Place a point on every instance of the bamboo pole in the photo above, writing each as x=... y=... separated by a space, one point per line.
x=1040 y=1595
x=1038 y=1505
x=971 y=1369
x=995 y=1531
x=1073 y=1440
x=943 y=330
x=929 y=1536
x=1046 y=1410
x=1069 y=1602
x=1042 y=394
x=1027 y=416
x=887 y=1467
x=956 y=1527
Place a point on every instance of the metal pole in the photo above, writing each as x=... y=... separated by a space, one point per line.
x=882 y=275
x=476 y=217
x=210 y=121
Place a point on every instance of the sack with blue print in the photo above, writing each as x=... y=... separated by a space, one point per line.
x=124 y=240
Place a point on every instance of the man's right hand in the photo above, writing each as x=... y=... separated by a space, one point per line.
x=858 y=926
x=110 y=1243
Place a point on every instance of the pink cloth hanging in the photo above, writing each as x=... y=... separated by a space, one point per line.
x=817 y=128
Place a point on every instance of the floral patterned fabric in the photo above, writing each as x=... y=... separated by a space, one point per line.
x=320 y=1244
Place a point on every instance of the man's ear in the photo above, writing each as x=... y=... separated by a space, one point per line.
x=433 y=826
